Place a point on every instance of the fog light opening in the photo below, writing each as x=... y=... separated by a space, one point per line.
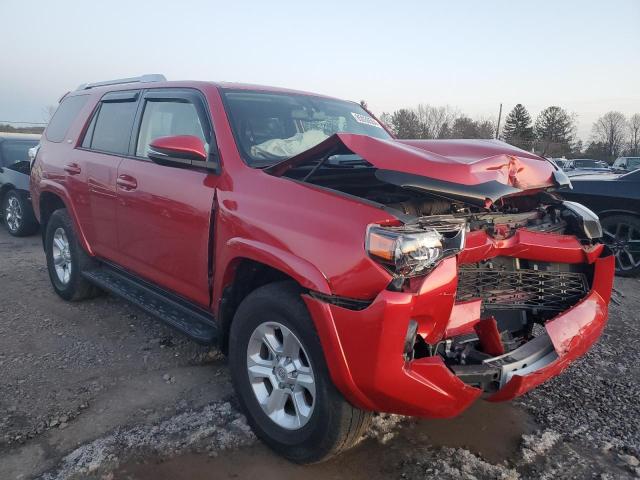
x=410 y=340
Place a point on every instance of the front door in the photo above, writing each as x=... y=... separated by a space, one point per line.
x=164 y=213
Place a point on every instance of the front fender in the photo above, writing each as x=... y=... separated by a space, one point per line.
x=303 y=272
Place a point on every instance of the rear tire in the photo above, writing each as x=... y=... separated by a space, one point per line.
x=622 y=235
x=17 y=214
x=330 y=424
x=66 y=260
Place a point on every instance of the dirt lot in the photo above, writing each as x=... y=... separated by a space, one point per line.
x=100 y=390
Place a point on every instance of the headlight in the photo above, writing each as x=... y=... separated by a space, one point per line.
x=588 y=221
x=405 y=250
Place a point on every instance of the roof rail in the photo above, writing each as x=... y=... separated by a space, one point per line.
x=153 y=77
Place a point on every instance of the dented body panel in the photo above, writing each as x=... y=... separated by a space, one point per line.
x=382 y=380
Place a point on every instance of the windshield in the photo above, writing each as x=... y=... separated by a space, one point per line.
x=270 y=127
x=15 y=151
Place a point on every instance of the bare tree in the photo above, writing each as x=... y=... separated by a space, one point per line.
x=611 y=130
x=387 y=119
x=48 y=111
x=435 y=122
x=634 y=134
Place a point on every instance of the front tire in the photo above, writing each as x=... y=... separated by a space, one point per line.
x=282 y=380
x=622 y=235
x=17 y=214
x=66 y=260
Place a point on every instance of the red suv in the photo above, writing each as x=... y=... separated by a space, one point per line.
x=345 y=272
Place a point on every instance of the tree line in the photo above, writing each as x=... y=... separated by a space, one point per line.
x=6 y=128
x=551 y=134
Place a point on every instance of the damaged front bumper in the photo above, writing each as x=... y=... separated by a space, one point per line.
x=365 y=349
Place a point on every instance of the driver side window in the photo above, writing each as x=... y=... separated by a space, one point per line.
x=165 y=118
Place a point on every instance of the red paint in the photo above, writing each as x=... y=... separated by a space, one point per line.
x=489 y=336
x=156 y=220
x=181 y=144
x=464 y=316
x=459 y=161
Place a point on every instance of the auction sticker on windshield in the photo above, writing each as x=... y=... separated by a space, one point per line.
x=365 y=120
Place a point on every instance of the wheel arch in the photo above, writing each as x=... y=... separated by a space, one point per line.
x=612 y=212
x=4 y=188
x=51 y=200
x=255 y=265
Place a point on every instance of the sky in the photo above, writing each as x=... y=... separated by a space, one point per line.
x=583 y=55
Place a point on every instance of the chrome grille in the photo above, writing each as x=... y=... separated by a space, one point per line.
x=520 y=289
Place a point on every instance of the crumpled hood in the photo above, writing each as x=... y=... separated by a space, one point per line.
x=465 y=169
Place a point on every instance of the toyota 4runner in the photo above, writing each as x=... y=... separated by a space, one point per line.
x=343 y=271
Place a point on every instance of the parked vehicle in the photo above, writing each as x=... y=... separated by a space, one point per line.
x=563 y=163
x=616 y=200
x=577 y=166
x=627 y=164
x=15 y=199
x=344 y=272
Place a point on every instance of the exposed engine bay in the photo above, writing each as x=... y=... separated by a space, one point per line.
x=540 y=210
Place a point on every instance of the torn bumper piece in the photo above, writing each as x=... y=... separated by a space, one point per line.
x=364 y=349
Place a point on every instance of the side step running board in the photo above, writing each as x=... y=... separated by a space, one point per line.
x=190 y=319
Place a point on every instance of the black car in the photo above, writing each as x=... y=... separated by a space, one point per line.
x=616 y=200
x=17 y=212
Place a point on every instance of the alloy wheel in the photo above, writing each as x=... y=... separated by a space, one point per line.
x=61 y=256
x=281 y=375
x=13 y=214
x=624 y=241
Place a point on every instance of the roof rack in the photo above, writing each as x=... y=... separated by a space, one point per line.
x=153 y=77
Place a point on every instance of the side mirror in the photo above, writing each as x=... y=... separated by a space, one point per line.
x=179 y=151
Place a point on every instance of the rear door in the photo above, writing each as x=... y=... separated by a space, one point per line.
x=164 y=213
x=105 y=143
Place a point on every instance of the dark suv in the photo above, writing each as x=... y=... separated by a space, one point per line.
x=343 y=271
x=17 y=213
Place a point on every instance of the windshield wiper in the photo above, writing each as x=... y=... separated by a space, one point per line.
x=319 y=164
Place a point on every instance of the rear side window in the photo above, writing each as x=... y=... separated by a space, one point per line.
x=110 y=128
x=65 y=114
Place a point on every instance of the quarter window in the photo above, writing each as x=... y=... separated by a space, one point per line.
x=166 y=118
x=65 y=114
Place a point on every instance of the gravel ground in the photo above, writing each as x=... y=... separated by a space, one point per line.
x=100 y=390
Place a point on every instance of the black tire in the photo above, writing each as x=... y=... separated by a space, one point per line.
x=334 y=425
x=77 y=287
x=17 y=202
x=622 y=235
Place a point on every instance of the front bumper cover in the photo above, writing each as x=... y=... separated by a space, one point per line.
x=364 y=349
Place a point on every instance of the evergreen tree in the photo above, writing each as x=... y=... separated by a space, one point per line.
x=517 y=128
x=406 y=123
x=554 y=129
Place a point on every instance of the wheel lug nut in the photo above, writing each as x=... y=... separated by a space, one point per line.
x=281 y=385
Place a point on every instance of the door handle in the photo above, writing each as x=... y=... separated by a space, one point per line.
x=72 y=168
x=126 y=182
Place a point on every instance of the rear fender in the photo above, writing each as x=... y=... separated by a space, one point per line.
x=60 y=192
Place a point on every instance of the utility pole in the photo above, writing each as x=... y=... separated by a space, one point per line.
x=499 y=117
